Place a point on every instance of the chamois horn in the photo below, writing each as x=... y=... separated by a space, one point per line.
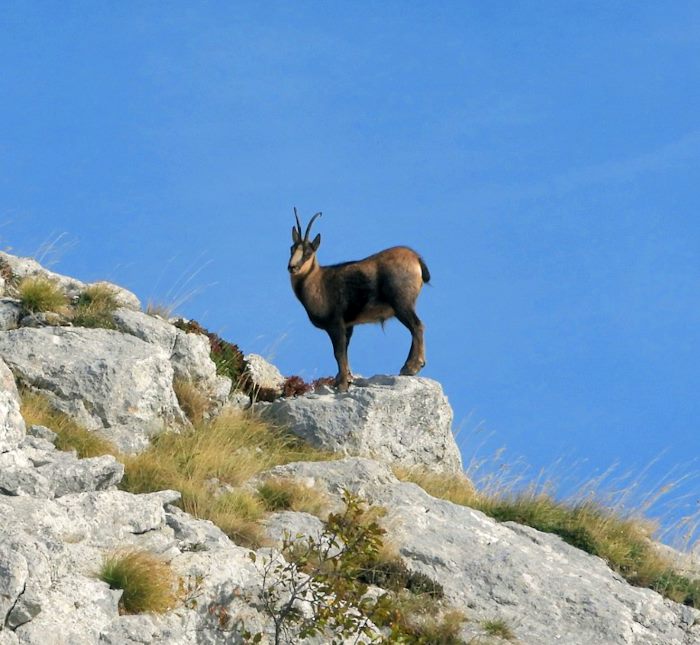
x=308 y=228
x=298 y=222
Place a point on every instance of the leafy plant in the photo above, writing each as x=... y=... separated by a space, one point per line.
x=321 y=587
x=146 y=580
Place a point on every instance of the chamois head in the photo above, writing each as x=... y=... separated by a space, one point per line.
x=303 y=252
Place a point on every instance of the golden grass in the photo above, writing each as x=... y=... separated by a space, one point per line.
x=284 y=494
x=37 y=410
x=193 y=402
x=41 y=294
x=230 y=449
x=147 y=582
x=95 y=307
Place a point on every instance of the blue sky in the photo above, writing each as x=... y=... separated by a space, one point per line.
x=543 y=157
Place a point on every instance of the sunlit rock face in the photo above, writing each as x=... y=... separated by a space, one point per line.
x=405 y=420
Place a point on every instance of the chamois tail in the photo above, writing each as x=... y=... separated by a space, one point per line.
x=425 y=273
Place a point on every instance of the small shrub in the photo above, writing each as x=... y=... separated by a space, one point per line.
x=95 y=307
x=418 y=619
x=41 y=294
x=147 y=582
x=295 y=386
x=227 y=357
x=37 y=410
x=288 y=495
x=328 y=572
x=324 y=380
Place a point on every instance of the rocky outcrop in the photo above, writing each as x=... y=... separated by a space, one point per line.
x=545 y=589
x=30 y=268
x=60 y=515
x=405 y=420
x=102 y=378
x=189 y=353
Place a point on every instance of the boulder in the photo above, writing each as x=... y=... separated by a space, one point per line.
x=405 y=420
x=263 y=375
x=546 y=590
x=100 y=377
x=12 y=426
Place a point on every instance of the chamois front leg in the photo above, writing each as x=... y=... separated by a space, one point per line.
x=339 y=339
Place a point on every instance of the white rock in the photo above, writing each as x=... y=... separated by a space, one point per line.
x=100 y=377
x=10 y=311
x=398 y=419
x=263 y=374
x=12 y=428
x=546 y=590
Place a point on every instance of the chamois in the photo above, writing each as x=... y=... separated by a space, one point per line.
x=339 y=296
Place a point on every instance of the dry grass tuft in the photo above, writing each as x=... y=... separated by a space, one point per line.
x=282 y=494
x=95 y=307
x=226 y=451
x=193 y=402
x=498 y=627
x=37 y=410
x=456 y=488
x=41 y=294
x=147 y=582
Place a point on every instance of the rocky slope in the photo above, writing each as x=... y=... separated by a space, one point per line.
x=60 y=515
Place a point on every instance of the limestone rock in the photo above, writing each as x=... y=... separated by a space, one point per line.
x=10 y=312
x=263 y=374
x=100 y=377
x=546 y=590
x=12 y=427
x=398 y=419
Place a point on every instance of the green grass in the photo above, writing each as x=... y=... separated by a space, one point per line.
x=40 y=294
x=95 y=307
x=147 y=581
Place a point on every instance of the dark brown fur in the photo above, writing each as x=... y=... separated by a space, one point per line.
x=338 y=297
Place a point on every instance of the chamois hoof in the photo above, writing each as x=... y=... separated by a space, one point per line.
x=411 y=370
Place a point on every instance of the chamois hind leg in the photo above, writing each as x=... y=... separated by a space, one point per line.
x=416 y=357
x=338 y=337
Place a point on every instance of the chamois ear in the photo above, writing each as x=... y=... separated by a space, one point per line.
x=316 y=243
x=295 y=235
